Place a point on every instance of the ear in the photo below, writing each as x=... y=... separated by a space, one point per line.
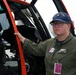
x=69 y=26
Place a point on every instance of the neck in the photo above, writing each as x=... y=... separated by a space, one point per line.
x=62 y=37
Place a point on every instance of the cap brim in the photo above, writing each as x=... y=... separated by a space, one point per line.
x=58 y=20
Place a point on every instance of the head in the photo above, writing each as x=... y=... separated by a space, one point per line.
x=61 y=23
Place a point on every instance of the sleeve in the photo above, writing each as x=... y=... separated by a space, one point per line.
x=35 y=49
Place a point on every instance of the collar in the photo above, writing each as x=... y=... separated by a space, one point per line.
x=70 y=36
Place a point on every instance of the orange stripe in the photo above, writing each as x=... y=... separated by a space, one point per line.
x=23 y=66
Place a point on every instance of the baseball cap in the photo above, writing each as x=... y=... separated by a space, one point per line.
x=62 y=17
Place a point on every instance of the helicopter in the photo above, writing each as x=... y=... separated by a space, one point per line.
x=22 y=16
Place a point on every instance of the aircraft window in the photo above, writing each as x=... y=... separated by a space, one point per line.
x=46 y=9
x=22 y=18
x=27 y=13
x=17 y=10
x=4 y=25
x=4 y=21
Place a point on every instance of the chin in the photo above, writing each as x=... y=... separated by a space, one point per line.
x=58 y=33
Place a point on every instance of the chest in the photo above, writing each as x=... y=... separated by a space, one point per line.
x=61 y=53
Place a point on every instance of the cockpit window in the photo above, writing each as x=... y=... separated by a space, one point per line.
x=21 y=14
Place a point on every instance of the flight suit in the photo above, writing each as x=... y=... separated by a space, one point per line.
x=62 y=53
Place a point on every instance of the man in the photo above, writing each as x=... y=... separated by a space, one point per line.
x=59 y=52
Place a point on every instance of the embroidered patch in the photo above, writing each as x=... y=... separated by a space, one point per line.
x=52 y=50
x=62 y=51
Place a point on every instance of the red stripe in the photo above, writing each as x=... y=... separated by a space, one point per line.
x=23 y=66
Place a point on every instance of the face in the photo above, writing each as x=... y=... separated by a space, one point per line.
x=61 y=28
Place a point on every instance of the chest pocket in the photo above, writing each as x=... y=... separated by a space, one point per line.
x=60 y=54
x=62 y=51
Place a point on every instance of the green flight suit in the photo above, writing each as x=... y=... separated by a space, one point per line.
x=64 y=53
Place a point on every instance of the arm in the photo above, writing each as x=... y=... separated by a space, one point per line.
x=33 y=48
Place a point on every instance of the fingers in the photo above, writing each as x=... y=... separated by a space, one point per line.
x=20 y=37
x=16 y=33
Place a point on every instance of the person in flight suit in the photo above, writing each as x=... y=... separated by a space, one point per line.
x=59 y=52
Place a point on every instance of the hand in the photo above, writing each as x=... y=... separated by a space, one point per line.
x=20 y=37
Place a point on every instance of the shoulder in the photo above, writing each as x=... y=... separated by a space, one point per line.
x=73 y=40
x=48 y=41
